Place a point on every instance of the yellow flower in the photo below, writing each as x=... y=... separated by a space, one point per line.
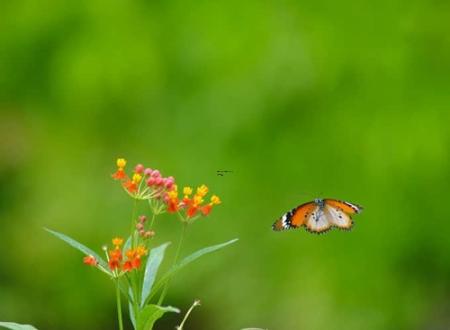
x=198 y=200
x=121 y=162
x=202 y=190
x=215 y=200
x=117 y=241
x=172 y=194
x=141 y=251
x=137 y=178
x=187 y=191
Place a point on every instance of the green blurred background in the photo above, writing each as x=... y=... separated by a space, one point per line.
x=303 y=99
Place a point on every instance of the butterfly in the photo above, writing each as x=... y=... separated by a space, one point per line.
x=319 y=216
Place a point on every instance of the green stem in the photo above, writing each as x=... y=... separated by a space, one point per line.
x=177 y=254
x=196 y=303
x=152 y=221
x=119 y=305
x=133 y=224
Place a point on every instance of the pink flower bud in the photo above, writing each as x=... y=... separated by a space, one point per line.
x=139 y=226
x=169 y=182
x=139 y=168
x=142 y=218
x=159 y=181
x=148 y=171
x=156 y=174
x=151 y=181
x=142 y=232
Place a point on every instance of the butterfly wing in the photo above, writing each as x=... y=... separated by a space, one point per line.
x=296 y=217
x=346 y=207
x=319 y=221
x=340 y=212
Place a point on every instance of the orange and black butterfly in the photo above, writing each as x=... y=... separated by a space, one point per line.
x=319 y=216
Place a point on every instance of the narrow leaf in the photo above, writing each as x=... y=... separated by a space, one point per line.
x=153 y=262
x=16 y=326
x=187 y=261
x=78 y=246
x=127 y=245
x=150 y=314
x=132 y=318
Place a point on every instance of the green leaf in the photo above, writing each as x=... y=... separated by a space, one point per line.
x=127 y=245
x=132 y=318
x=150 y=314
x=187 y=261
x=16 y=326
x=78 y=246
x=153 y=262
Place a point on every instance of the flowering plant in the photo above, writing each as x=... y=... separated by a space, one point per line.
x=133 y=263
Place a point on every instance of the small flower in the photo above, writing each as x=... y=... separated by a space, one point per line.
x=121 y=163
x=149 y=234
x=197 y=200
x=114 y=264
x=142 y=218
x=215 y=200
x=137 y=178
x=117 y=241
x=90 y=260
x=115 y=254
x=202 y=190
x=139 y=168
x=156 y=174
x=120 y=173
x=148 y=171
x=151 y=181
x=187 y=191
x=130 y=186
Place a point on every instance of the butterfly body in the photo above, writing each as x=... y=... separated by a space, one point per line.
x=319 y=216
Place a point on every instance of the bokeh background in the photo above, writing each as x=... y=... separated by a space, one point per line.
x=342 y=99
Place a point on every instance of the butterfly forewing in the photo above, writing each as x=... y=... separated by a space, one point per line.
x=347 y=207
x=295 y=218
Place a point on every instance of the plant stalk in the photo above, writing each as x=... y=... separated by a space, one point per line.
x=177 y=254
x=119 y=305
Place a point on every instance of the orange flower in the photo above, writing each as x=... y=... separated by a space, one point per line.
x=115 y=254
x=130 y=185
x=90 y=260
x=206 y=209
x=191 y=211
x=114 y=264
x=120 y=173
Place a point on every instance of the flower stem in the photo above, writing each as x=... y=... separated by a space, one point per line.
x=119 y=305
x=132 y=224
x=177 y=254
x=196 y=303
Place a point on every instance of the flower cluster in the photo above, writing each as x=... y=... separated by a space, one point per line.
x=133 y=261
x=192 y=205
x=140 y=227
x=156 y=184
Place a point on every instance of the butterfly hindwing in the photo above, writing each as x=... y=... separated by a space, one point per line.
x=338 y=217
x=319 y=221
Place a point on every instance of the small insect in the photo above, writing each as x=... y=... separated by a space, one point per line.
x=319 y=216
x=222 y=172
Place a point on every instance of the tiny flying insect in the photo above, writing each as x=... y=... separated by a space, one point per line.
x=319 y=216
